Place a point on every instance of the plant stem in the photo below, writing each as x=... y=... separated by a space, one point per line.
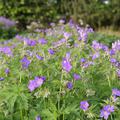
x=108 y=80
x=21 y=116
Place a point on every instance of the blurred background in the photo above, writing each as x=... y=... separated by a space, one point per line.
x=101 y=15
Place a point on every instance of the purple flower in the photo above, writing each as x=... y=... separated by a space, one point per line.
x=25 y=62
x=104 y=47
x=31 y=42
x=118 y=73
x=114 y=98
x=71 y=23
x=66 y=65
x=76 y=45
x=113 y=60
x=7 y=71
x=70 y=85
x=106 y=111
x=84 y=105
x=104 y=114
x=115 y=92
x=19 y=37
x=112 y=52
x=6 y=23
x=51 y=51
x=32 y=85
x=76 y=76
x=96 y=45
x=39 y=57
x=52 y=24
x=68 y=56
x=108 y=108
x=83 y=60
x=42 y=41
x=67 y=35
x=1 y=78
x=38 y=118
x=83 y=35
x=117 y=64
x=37 y=82
x=44 y=78
x=116 y=46
x=61 y=21
x=6 y=50
x=96 y=55
x=85 y=65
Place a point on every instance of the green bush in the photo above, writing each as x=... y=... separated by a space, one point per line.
x=93 y=12
x=7 y=28
x=96 y=13
x=26 y=11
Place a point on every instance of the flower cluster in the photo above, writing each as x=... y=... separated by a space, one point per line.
x=6 y=23
x=106 y=111
x=6 y=50
x=37 y=82
x=25 y=62
x=84 y=105
x=79 y=72
x=66 y=63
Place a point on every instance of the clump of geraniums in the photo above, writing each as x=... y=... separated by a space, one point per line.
x=112 y=104
x=79 y=75
x=106 y=111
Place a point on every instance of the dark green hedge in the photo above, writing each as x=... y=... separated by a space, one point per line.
x=94 y=12
x=97 y=13
x=25 y=11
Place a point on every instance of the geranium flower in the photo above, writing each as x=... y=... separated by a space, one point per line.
x=51 y=51
x=115 y=92
x=70 y=85
x=25 y=62
x=39 y=57
x=76 y=76
x=104 y=114
x=66 y=65
x=106 y=111
x=38 y=118
x=37 y=82
x=84 y=105
x=42 y=41
x=1 y=78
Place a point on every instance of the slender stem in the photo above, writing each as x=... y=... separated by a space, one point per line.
x=20 y=77
x=63 y=116
x=21 y=114
x=59 y=97
x=108 y=80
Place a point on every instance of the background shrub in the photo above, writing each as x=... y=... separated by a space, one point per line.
x=7 y=28
x=97 y=13
x=25 y=11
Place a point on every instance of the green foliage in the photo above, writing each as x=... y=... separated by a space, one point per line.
x=26 y=11
x=53 y=100
x=93 y=12
x=7 y=33
x=106 y=39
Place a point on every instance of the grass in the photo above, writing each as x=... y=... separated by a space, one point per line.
x=109 y=31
